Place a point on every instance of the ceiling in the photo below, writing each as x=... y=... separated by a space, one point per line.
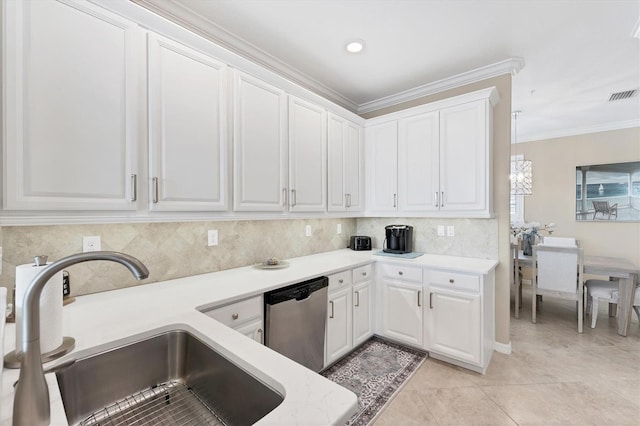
x=567 y=56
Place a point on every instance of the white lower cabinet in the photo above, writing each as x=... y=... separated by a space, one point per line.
x=349 y=312
x=402 y=311
x=245 y=316
x=453 y=324
x=339 y=325
x=459 y=318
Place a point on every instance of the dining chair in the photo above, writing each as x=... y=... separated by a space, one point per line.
x=557 y=272
x=601 y=291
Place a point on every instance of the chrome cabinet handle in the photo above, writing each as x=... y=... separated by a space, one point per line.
x=451 y=280
x=399 y=272
x=234 y=316
x=261 y=336
x=430 y=300
x=436 y=200
x=395 y=200
x=349 y=200
x=346 y=200
x=442 y=199
x=293 y=198
x=357 y=299
x=155 y=190
x=134 y=187
x=331 y=301
x=284 y=196
x=419 y=293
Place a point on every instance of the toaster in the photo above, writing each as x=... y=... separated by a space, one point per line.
x=358 y=242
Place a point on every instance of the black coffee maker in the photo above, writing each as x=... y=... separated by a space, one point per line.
x=398 y=239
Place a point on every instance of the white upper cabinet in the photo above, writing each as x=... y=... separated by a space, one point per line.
x=465 y=157
x=307 y=156
x=418 y=162
x=259 y=145
x=382 y=173
x=344 y=165
x=71 y=107
x=443 y=158
x=187 y=132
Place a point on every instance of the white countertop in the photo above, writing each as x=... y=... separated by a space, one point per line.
x=309 y=398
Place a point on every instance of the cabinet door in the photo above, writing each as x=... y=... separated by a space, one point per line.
x=71 y=107
x=402 y=312
x=187 y=129
x=354 y=167
x=362 y=319
x=253 y=330
x=307 y=156
x=382 y=167
x=454 y=324
x=418 y=163
x=259 y=145
x=464 y=157
x=339 y=325
x=345 y=165
x=337 y=167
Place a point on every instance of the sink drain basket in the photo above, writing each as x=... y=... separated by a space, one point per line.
x=171 y=404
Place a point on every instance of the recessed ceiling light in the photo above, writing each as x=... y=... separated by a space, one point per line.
x=355 y=46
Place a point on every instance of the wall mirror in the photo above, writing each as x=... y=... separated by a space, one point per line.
x=608 y=192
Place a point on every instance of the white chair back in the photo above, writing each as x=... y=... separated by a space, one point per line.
x=558 y=268
x=560 y=241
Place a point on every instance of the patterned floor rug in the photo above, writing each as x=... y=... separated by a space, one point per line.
x=375 y=372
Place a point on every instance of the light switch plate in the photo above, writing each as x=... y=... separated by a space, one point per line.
x=212 y=237
x=440 y=230
x=307 y=230
x=339 y=229
x=450 y=231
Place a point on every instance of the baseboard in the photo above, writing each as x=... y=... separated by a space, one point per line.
x=503 y=348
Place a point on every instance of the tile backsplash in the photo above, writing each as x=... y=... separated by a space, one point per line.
x=170 y=250
x=178 y=249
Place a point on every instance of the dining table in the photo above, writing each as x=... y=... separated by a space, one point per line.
x=624 y=270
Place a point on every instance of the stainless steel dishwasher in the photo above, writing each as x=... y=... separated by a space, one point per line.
x=295 y=318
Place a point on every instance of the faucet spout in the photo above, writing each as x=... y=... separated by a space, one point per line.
x=31 y=402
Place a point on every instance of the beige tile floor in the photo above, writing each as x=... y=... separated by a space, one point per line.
x=553 y=376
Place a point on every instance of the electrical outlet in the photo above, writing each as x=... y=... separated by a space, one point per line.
x=307 y=230
x=450 y=231
x=339 y=229
x=91 y=243
x=440 y=230
x=212 y=237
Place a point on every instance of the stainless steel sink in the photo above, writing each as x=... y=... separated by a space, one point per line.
x=170 y=378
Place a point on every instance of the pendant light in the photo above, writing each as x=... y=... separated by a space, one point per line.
x=521 y=174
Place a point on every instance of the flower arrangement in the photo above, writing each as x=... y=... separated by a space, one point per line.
x=528 y=233
x=519 y=229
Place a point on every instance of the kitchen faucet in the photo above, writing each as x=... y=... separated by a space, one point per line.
x=31 y=402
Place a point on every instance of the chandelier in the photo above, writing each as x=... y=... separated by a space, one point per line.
x=521 y=174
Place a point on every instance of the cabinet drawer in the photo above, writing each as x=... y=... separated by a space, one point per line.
x=362 y=273
x=339 y=280
x=402 y=272
x=239 y=312
x=455 y=280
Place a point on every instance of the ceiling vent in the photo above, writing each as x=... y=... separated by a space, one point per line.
x=622 y=95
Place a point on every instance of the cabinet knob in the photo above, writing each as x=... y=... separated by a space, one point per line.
x=364 y=274
x=234 y=316
x=451 y=280
x=399 y=272
x=340 y=281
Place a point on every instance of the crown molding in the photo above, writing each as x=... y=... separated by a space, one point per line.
x=509 y=66
x=619 y=125
x=194 y=22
